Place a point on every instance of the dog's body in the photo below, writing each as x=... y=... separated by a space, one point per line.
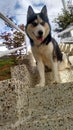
x=45 y=49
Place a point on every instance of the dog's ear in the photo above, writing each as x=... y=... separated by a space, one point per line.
x=44 y=10
x=30 y=12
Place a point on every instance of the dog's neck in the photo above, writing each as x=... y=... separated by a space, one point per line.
x=46 y=41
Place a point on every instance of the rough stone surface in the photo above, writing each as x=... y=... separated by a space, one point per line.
x=13 y=102
x=66 y=75
x=26 y=107
x=8 y=99
x=30 y=77
x=21 y=73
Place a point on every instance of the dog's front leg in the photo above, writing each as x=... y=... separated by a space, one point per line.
x=55 y=72
x=40 y=67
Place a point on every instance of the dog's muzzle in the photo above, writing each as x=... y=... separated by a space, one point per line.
x=40 y=33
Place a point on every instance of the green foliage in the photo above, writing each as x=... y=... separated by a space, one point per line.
x=7 y=61
x=13 y=39
x=64 y=20
x=5 y=72
x=5 y=64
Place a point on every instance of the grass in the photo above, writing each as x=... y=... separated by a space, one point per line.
x=6 y=61
x=5 y=64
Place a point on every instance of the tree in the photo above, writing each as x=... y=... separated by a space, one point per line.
x=64 y=20
x=13 y=39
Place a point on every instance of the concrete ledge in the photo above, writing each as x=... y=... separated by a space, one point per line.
x=25 y=107
x=13 y=102
x=30 y=78
x=50 y=107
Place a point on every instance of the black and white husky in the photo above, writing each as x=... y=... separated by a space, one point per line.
x=45 y=48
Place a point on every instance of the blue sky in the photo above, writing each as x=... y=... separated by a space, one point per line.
x=18 y=9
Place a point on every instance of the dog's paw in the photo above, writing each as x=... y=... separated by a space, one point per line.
x=40 y=85
x=56 y=82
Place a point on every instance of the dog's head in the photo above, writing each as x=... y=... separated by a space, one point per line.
x=38 y=26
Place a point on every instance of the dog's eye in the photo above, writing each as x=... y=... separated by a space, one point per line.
x=43 y=23
x=34 y=24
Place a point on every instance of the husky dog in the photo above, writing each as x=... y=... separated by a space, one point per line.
x=45 y=48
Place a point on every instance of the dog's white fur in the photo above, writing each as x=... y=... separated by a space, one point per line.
x=37 y=29
x=43 y=55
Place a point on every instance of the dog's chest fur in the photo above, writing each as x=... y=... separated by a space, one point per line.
x=43 y=52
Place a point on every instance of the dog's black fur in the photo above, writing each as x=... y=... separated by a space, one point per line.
x=48 y=39
x=45 y=49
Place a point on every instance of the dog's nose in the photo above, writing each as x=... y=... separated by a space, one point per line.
x=40 y=32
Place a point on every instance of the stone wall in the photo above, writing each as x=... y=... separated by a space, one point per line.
x=67 y=48
x=26 y=107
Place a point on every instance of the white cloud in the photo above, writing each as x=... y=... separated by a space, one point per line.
x=7 y=7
